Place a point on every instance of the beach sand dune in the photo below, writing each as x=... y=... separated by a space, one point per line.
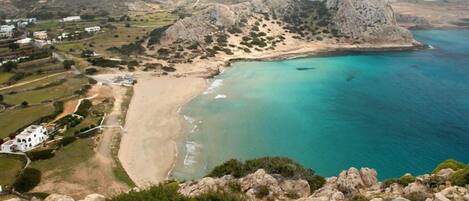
x=148 y=149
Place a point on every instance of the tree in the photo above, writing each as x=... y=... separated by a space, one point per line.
x=9 y=66
x=91 y=71
x=24 y=104
x=68 y=64
x=14 y=46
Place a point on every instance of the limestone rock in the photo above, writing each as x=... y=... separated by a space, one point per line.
x=445 y=173
x=94 y=197
x=377 y=199
x=204 y=185
x=326 y=194
x=300 y=187
x=14 y=199
x=394 y=190
x=456 y=193
x=415 y=187
x=252 y=182
x=440 y=197
x=352 y=180
x=58 y=197
x=400 y=199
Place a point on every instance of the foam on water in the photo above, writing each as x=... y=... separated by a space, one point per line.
x=192 y=148
x=220 y=96
x=215 y=84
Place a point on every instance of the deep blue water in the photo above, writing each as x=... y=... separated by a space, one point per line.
x=397 y=112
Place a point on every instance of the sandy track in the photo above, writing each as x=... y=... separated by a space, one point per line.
x=148 y=149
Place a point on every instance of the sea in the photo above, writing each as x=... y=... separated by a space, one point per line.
x=397 y=112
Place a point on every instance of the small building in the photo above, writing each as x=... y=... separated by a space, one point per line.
x=64 y=35
x=41 y=35
x=93 y=29
x=6 y=34
x=71 y=19
x=27 y=139
x=31 y=20
x=24 y=41
x=7 y=28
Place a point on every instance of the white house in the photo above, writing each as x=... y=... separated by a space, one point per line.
x=41 y=35
x=24 y=41
x=27 y=139
x=71 y=19
x=93 y=29
x=27 y=20
x=7 y=28
x=6 y=35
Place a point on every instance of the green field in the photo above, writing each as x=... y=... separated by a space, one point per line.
x=5 y=77
x=50 y=93
x=10 y=166
x=32 y=85
x=12 y=120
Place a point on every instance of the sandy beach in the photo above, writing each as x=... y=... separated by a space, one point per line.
x=148 y=149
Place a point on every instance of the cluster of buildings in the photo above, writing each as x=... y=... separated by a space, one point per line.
x=7 y=30
x=28 y=139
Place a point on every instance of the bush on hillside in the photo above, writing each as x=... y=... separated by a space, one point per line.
x=272 y=165
x=460 y=177
x=406 y=180
x=41 y=154
x=28 y=179
x=84 y=108
x=450 y=163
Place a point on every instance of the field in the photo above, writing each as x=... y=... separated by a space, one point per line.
x=4 y=77
x=11 y=120
x=10 y=167
x=46 y=94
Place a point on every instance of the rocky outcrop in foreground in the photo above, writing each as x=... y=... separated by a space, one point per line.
x=448 y=182
x=349 y=185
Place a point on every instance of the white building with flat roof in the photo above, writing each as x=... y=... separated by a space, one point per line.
x=93 y=29
x=71 y=19
x=7 y=28
x=41 y=35
x=27 y=139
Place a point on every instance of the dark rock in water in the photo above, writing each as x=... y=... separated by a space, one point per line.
x=415 y=66
x=351 y=76
x=302 y=69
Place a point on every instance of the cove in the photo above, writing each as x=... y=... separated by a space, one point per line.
x=397 y=112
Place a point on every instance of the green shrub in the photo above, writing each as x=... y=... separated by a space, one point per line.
x=28 y=179
x=272 y=165
x=406 y=180
x=41 y=154
x=161 y=192
x=234 y=187
x=388 y=182
x=450 y=163
x=218 y=196
x=416 y=196
x=359 y=198
x=232 y=167
x=460 y=177
x=262 y=192
x=67 y=140
x=83 y=108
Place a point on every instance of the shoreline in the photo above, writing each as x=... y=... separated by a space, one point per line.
x=149 y=148
x=139 y=173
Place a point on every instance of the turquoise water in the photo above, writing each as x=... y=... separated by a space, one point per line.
x=397 y=112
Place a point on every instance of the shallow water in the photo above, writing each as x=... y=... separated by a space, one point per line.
x=397 y=112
